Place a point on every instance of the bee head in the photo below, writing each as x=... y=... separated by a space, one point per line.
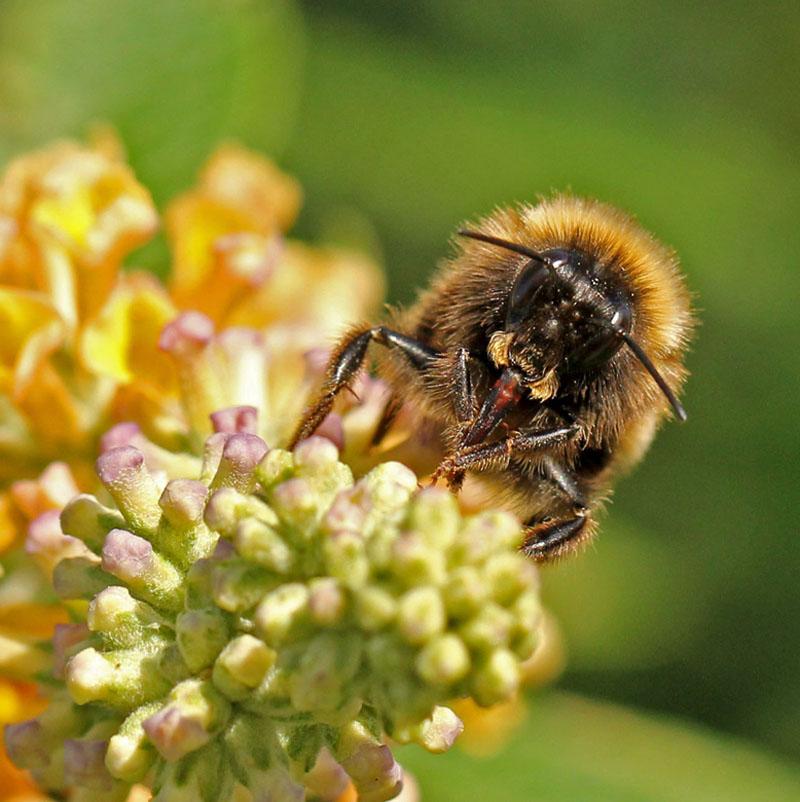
x=566 y=314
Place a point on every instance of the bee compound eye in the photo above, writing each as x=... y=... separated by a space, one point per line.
x=526 y=285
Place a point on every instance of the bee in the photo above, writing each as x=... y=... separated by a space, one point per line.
x=547 y=351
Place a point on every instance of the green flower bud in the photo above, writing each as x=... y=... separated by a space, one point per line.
x=194 y=712
x=346 y=558
x=80 y=578
x=375 y=608
x=86 y=518
x=121 y=679
x=130 y=754
x=201 y=635
x=260 y=543
x=133 y=560
x=434 y=514
x=242 y=665
x=326 y=601
x=276 y=467
x=240 y=454
x=282 y=613
x=497 y=678
x=122 y=621
x=507 y=576
x=370 y=764
x=443 y=660
x=490 y=628
x=415 y=562
x=465 y=592
x=329 y=662
x=527 y=613
x=435 y=734
x=237 y=586
x=122 y=470
x=421 y=614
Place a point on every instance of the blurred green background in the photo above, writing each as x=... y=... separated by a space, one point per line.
x=402 y=119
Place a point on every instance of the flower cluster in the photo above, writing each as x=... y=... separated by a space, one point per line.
x=224 y=615
x=244 y=619
x=82 y=338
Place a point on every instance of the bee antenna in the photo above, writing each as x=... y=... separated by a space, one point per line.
x=651 y=369
x=649 y=366
x=509 y=246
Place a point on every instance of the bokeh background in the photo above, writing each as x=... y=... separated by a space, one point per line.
x=402 y=119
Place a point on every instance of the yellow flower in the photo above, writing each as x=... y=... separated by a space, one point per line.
x=81 y=345
x=232 y=263
x=69 y=214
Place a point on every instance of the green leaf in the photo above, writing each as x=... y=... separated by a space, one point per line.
x=573 y=749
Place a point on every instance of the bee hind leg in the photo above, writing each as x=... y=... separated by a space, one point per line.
x=347 y=360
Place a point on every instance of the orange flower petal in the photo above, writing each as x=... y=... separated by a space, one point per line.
x=122 y=341
x=244 y=180
x=346 y=286
x=488 y=729
x=51 y=491
x=238 y=194
x=12 y=523
x=53 y=412
x=31 y=330
x=93 y=206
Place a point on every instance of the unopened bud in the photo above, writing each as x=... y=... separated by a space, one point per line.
x=496 y=679
x=242 y=665
x=130 y=754
x=86 y=518
x=123 y=472
x=421 y=614
x=240 y=455
x=444 y=660
x=133 y=560
x=194 y=712
x=282 y=613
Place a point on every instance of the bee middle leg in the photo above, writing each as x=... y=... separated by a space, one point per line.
x=347 y=361
x=546 y=540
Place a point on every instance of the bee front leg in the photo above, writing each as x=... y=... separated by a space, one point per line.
x=465 y=404
x=496 y=456
x=464 y=401
x=345 y=363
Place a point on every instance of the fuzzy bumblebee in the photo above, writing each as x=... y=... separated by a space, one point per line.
x=546 y=352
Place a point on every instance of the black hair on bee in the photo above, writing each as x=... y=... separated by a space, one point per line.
x=567 y=323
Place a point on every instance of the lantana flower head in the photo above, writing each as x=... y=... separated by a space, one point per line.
x=260 y=607
x=239 y=616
